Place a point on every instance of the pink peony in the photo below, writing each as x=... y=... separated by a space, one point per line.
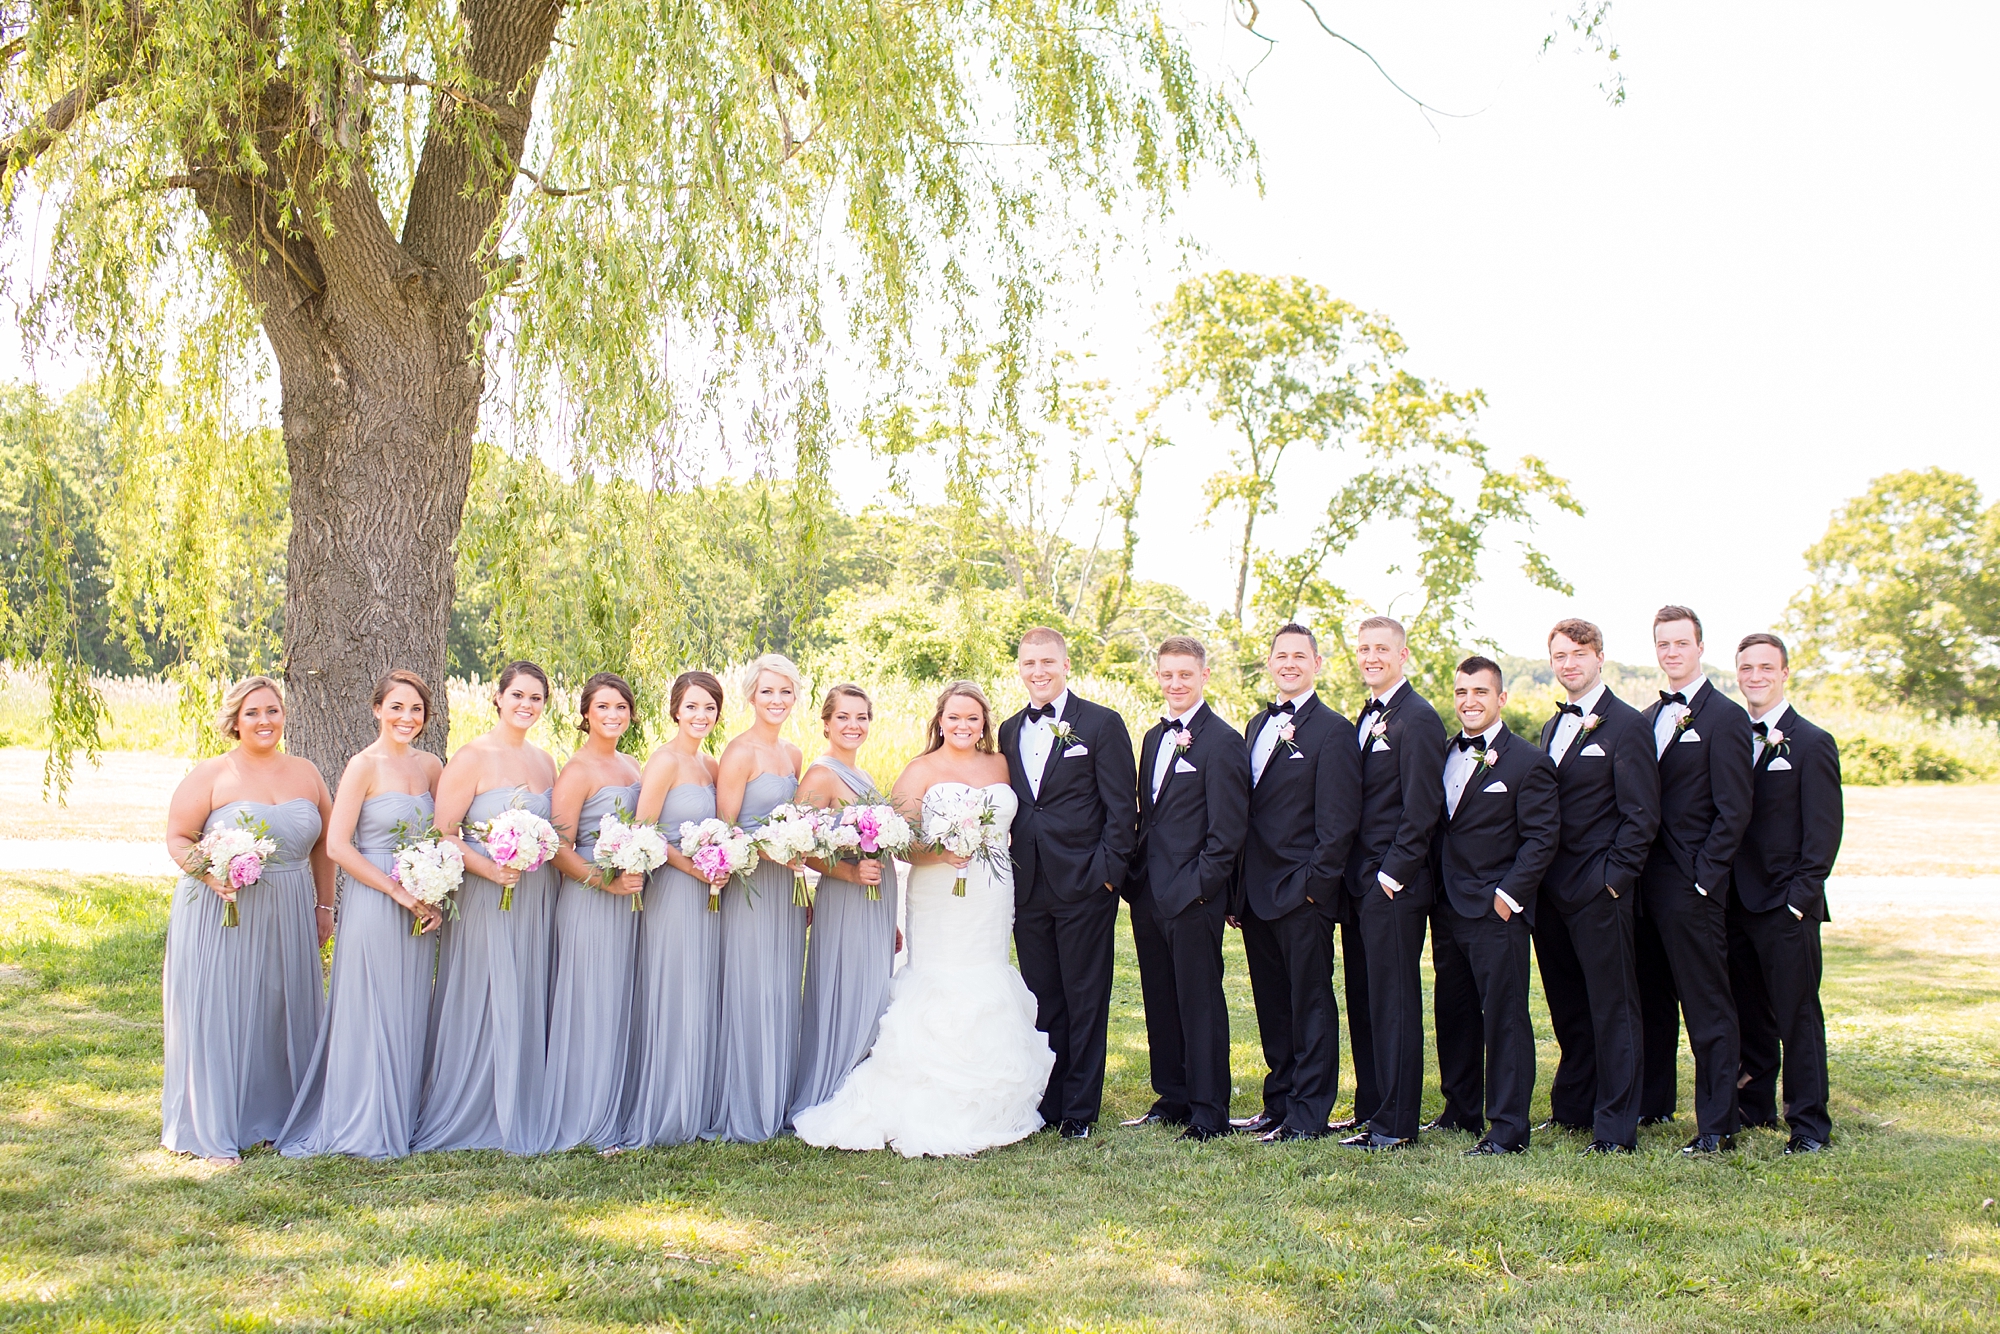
x=244 y=868
x=506 y=843
x=870 y=829
x=711 y=860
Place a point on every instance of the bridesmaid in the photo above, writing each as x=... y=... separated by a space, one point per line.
x=361 y=1094
x=596 y=933
x=763 y=934
x=672 y=1099
x=242 y=1003
x=852 y=949
x=489 y=1011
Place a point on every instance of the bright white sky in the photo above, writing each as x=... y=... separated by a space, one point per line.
x=1719 y=309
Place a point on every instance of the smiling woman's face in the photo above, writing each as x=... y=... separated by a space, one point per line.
x=260 y=723
x=698 y=712
x=773 y=697
x=401 y=714
x=608 y=713
x=522 y=702
x=963 y=723
x=848 y=726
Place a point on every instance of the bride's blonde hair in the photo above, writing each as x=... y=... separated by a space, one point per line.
x=934 y=734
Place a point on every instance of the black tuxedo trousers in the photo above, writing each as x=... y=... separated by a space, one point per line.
x=1688 y=965
x=1065 y=948
x=1774 y=970
x=1187 y=1023
x=1298 y=1021
x=1456 y=1024
x=1590 y=980
x=1495 y=958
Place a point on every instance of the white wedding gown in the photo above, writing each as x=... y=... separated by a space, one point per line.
x=958 y=1065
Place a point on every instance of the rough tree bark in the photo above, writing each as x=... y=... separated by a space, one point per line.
x=380 y=379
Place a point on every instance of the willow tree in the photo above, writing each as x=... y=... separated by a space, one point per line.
x=637 y=222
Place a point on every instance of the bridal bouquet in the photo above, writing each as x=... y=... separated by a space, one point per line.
x=235 y=855
x=965 y=825
x=429 y=866
x=717 y=847
x=519 y=840
x=627 y=847
x=788 y=833
x=878 y=831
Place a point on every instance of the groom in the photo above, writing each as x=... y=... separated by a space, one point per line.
x=1070 y=762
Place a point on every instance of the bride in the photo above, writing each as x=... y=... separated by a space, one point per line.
x=958 y=1065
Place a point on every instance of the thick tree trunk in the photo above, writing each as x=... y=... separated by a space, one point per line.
x=379 y=419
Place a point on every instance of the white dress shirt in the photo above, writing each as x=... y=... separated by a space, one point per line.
x=1267 y=738
x=1458 y=768
x=1166 y=756
x=1038 y=738
x=1775 y=716
x=1666 y=721
x=1570 y=725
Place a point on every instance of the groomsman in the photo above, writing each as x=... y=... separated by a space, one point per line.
x=1305 y=796
x=1608 y=779
x=1778 y=901
x=1389 y=877
x=1194 y=805
x=1070 y=762
x=1701 y=739
x=1497 y=838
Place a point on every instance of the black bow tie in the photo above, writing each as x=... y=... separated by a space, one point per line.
x=1373 y=706
x=1168 y=723
x=1672 y=697
x=1043 y=711
x=1761 y=729
x=1468 y=742
x=1576 y=709
x=1288 y=706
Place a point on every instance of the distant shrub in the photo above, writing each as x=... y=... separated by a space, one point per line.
x=1868 y=762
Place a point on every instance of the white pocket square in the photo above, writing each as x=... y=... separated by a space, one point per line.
x=1497 y=787
x=1380 y=744
x=1690 y=735
x=1298 y=754
x=1780 y=763
x=1183 y=767
x=1075 y=750
x=1592 y=749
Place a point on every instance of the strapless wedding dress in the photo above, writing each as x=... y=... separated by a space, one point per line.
x=958 y=1065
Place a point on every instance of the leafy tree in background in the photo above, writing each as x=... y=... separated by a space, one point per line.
x=635 y=218
x=1905 y=595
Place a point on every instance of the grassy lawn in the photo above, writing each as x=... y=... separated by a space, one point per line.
x=101 y=1230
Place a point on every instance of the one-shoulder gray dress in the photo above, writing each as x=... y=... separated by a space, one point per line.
x=367 y=1069
x=850 y=954
x=242 y=1003
x=671 y=1097
x=490 y=1009
x=590 y=997
x=763 y=953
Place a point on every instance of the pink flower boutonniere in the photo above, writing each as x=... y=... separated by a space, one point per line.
x=1590 y=724
x=1381 y=727
x=1180 y=739
x=1286 y=730
x=1487 y=759
x=1681 y=724
x=1775 y=743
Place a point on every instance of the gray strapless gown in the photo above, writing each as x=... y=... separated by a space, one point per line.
x=763 y=951
x=590 y=998
x=242 y=1004
x=367 y=1071
x=671 y=1096
x=850 y=955
x=490 y=1009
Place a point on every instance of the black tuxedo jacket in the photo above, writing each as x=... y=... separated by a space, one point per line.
x=1191 y=836
x=1402 y=796
x=1504 y=833
x=1795 y=821
x=1609 y=785
x=1704 y=794
x=1303 y=812
x=1081 y=830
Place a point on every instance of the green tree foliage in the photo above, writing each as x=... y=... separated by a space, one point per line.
x=1905 y=595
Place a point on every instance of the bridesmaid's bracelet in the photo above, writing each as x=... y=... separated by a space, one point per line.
x=324 y=907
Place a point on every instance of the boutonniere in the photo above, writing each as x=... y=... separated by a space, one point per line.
x=1286 y=729
x=1590 y=723
x=1381 y=727
x=1776 y=743
x=1064 y=734
x=1681 y=723
x=1180 y=739
x=1487 y=759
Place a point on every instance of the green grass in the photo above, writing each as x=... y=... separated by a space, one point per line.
x=101 y=1230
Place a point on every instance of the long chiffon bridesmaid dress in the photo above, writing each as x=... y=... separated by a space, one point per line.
x=367 y=1069
x=672 y=1096
x=850 y=955
x=763 y=953
x=590 y=999
x=490 y=1009
x=242 y=1003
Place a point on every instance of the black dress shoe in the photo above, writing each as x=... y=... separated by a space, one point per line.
x=1709 y=1143
x=1486 y=1147
x=1349 y=1126
x=1551 y=1125
x=1657 y=1119
x=1201 y=1134
x=1074 y=1129
x=1805 y=1144
x=1605 y=1146
x=1287 y=1134
x=1256 y=1125
x=1375 y=1143
x=1441 y=1124
x=1151 y=1119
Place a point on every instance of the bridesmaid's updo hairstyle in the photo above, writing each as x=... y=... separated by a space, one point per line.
x=852 y=691
x=704 y=681
x=521 y=667
x=934 y=736
x=399 y=677
x=232 y=703
x=603 y=681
